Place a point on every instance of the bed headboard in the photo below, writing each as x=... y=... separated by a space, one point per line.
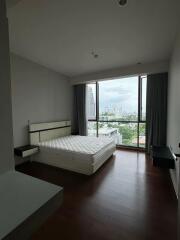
x=39 y=132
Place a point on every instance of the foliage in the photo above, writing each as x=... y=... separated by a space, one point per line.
x=127 y=130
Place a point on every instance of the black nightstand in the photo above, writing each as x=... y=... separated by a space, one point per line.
x=26 y=151
x=163 y=157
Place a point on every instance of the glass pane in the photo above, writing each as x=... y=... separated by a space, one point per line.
x=123 y=133
x=118 y=99
x=142 y=135
x=91 y=101
x=144 y=85
x=92 y=129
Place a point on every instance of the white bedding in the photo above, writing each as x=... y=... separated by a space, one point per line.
x=77 y=153
x=80 y=144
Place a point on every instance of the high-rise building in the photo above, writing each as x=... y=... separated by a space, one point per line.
x=91 y=103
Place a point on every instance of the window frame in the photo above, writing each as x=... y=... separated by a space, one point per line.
x=139 y=117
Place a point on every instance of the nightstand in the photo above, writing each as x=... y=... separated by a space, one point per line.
x=26 y=151
x=163 y=157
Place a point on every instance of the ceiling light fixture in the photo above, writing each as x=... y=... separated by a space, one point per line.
x=95 y=55
x=122 y=2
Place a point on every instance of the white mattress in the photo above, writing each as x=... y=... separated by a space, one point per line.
x=78 y=144
x=77 y=153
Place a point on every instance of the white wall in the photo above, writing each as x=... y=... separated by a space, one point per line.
x=173 y=130
x=6 y=146
x=155 y=67
x=38 y=95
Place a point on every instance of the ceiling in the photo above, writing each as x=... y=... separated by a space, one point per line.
x=11 y=3
x=61 y=34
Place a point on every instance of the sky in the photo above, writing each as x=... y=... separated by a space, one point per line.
x=120 y=94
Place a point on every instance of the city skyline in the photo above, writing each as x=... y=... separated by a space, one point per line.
x=119 y=96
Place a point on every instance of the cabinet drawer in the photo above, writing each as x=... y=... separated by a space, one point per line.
x=26 y=151
x=29 y=152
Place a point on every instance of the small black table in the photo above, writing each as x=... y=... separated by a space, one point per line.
x=26 y=151
x=163 y=157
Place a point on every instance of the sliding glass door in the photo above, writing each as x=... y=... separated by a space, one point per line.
x=117 y=108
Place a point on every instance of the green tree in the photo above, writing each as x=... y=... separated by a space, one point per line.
x=128 y=132
x=142 y=129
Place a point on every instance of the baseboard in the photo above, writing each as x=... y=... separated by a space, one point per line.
x=174 y=182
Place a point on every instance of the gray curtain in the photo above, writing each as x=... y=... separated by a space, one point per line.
x=156 y=110
x=80 y=122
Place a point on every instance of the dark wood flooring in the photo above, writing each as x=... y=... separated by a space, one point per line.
x=127 y=199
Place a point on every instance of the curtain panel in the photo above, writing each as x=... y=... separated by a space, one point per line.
x=156 y=110
x=80 y=119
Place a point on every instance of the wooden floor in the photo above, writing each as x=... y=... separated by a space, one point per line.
x=127 y=199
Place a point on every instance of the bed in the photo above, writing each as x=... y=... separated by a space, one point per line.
x=59 y=148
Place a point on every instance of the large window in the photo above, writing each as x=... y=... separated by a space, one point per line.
x=118 y=99
x=117 y=108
